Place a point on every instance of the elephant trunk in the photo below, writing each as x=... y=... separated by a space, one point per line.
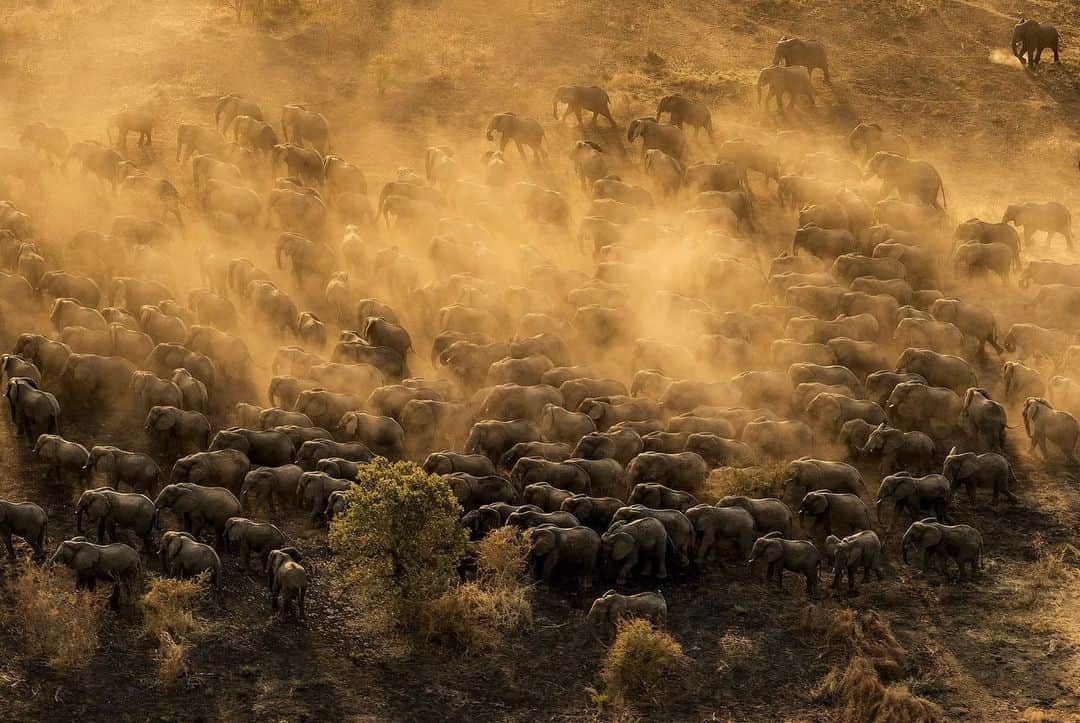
x=877 y=509
x=79 y=519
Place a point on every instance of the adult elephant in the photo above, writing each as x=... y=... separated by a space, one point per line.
x=222 y=467
x=667 y=138
x=178 y=430
x=1044 y=424
x=33 y=410
x=104 y=163
x=296 y=211
x=117 y=563
x=582 y=97
x=25 y=520
x=93 y=378
x=247 y=537
x=112 y=509
x=255 y=136
x=917 y=496
x=984 y=419
x=714 y=526
x=65 y=458
x=781 y=81
x=839 y=513
x=383 y=435
x=686 y=111
x=135 y=469
x=976 y=322
x=867 y=139
x=231 y=105
x=862 y=549
x=261 y=447
x=576 y=547
x=939 y=370
x=962 y=543
x=1031 y=38
x=969 y=469
x=806 y=475
x=185 y=557
x=912 y=179
x=665 y=171
x=307 y=164
x=62 y=284
x=47 y=140
x=919 y=407
x=809 y=54
x=198 y=507
x=682 y=470
x=197 y=139
x=519 y=129
x=1051 y=217
x=131 y=120
x=308 y=257
x=770 y=514
x=493 y=438
x=590 y=165
x=220 y=198
x=305 y=126
x=343 y=177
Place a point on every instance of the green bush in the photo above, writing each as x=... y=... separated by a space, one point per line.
x=400 y=538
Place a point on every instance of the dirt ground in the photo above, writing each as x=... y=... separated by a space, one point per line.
x=939 y=70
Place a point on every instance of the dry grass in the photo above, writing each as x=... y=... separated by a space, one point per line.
x=638 y=663
x=169 y=615
x=761 y=481
x=865 y=634
x=737 y=655
x=172 y=662
x=479 y=614
x=57 y=624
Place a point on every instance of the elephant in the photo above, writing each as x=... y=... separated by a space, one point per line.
x=1051 y=217
x=224 y=467
x=231 y=105
x=657 y=496
x=523 y=131
x=839 y=513
x=724 y=176
x=594 y=512
x=219 y=198
x=33 y=411
x=340 y=467
x=312 y=451
x=271 y=484
x=851 y=266
x=804 y=475
x=313 y=490
x=829 y=411
x=863 y=549
x=472 y=492
x=324 y=408
x=1050 y=272
x=444 y=463
x=831 y=374
x=917 y=406
x=525 y=519
x=117 y=563
x=527 y=371
x=824 y=243
x=342 y=177
x=831 y=215
x=387 y=333
x=974 y=321
x=989 y=468
x=1031 y=37
x=288 y=580
x=177 y=430
x=654 y=136
x=306 y=257
x=915 y=495
x=246 y=536
x=529 y=470
x=809 y=54
x=69 y=312
x=793 y=82
x=305 y=164
x=770 y=514
x=911 y=179
x=262 y=447
x=984 y=232
x=104 y=163
x=686 y=471
x=686 y=111
x=47 y=140
x=206 y=168
x=1021 y=382
x=130 y=120
x=111 y=509
x=1045 y=424
x=866 y=139
x=135 y=469
x=94 y=378
x=487 y=518
x=336 y=505
x=12 y=365
x=665 y=171
x=493 y=438
x=150 y=391
x=900 y=450
x=638 y=546
x=64 y=285
x=131 y=344
x=680 y=530
x=193 y=394
x=382 y=435
x=217 y=348
x=544 y=496
x=621 y=445
x=750 y=156
x=131 y=294
x=197 y=139
x=576 y=548
x=880 y=385
x=714 y=525
x=799 y=556
x=296 y=211
x=778 y=440
x=384 y=359
x=550 y=451
x=63 y=457
x=962 y=543
x=163 y=328
x=25 y=520
x=984 y=419
x=166 y=357
x=971 y=258
x=939 y=370
x=609 y=610
x=582 y=97
x=305 y=126
x=183 y=556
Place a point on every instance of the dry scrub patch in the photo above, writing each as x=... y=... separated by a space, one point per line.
x=638 y=664
x=57 y=624
x=168 y=609
x=763 y=481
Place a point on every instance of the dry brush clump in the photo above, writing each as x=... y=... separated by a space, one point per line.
x=638 y=664
x=169 y=616
x=857 y=688
x=55 y=623
x=763 y=481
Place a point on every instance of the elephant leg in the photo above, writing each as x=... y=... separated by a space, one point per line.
x=624 y=571
x=10 y=547
x=504 y=141
x=245 y=556
x=607 y=114
x=548 y=567
x=866 y=574
x=661 y=567
x=90 y=583
x=274 y=592
x=580 y=120
x=101 y=529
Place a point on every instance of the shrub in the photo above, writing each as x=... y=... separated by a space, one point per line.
x=168 y=609
x=56 y=623
x=761 y=481
x=638 y=662
x=860 y=633
x=172 y=661
x=862 y=698
x=400 y=538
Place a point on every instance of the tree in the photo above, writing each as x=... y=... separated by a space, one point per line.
x=400 y=537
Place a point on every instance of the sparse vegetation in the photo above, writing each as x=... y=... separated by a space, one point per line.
x=400 y=539
x=639 y=662
x=761 y=481
x=55 y=623
x=169 y=616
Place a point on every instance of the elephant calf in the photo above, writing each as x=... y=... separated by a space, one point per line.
x=799 y=556
x=863 y=549
x=63 y=457
x=612 y=608
x=288 y=580
x=840 y=513
x=639 y=546
x=714 y=526
x=183 y=556
x=576 y=548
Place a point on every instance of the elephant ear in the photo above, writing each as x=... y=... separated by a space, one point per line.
x=773 y=551
x=904 y=489
x=622 y=545
x=86 y=556
x=817 y=503
x=164 y=422
x=930 y=535
x=543 y=541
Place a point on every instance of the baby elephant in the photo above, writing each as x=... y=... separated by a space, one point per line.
x=799 y=556
x=962 y=543
x=641 y=545
x=287 y=579
x=863 y=549
x=840 y=512
x=185 y=557
x=25 y=520
x=248 y=536
x=612 y=608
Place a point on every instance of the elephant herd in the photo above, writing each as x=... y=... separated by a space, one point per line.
x=598 y=355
